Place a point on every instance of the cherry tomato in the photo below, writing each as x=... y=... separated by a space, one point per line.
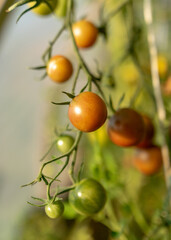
x=88 y=197
x=146 y=141
x=64 y=143
x=148 y=160
x=126 y=127
x=54 y=210
x=85 y=33
x=43 y=8
x=59 y=69
x=87 y=112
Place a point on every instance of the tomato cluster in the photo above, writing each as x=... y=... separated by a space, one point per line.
x=128 y=128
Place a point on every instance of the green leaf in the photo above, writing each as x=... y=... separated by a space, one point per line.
x=82 y=90
x=37 y=68
x=61 y=103
x=111 y=104
x=69 y=95
x=121 y=100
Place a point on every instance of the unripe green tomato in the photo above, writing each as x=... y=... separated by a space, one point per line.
x=54 y=210
x=88 y=197
x=64 y=143
x=42 y=8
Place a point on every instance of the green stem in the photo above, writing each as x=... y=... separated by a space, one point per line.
x=80 y=59
x=75 y=80
x=49 y=49
x=73 y=165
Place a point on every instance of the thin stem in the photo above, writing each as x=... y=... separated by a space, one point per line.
x=75 y=80
x=62 y=156
x=73 y=165
x=157 y=90
x=50 y=183
x=36 y=205
x=48 y=151
x=48 y=50
x=80 y=59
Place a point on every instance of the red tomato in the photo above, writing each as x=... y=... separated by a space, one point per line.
x=126 y=127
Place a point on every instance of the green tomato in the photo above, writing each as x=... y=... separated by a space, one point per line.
x=54 y=210
x=88 y=197
x=64 y=143
x=43 y=9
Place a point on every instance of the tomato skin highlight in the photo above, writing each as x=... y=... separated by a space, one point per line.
x=43 y=9
x=87 y=112
x=64 y=143
x=148 y=160
x=85 y=33
x=88 y=197
x=126 y=127
x=54 y=210
x=59 y=69
x=146 y=141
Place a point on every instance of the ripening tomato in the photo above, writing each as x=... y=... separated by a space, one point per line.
x=43 y=8
x=87 y=112
x=85 y=33
x=64 y=143
x=126 y=127
x=54 y=210
x=88 y=197
x=146 y=141
x=59 y=69
x=148 y=160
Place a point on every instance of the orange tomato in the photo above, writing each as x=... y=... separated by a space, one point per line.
x=148 y=160
x=85 y=33
x=87 y=112
x=59 y=69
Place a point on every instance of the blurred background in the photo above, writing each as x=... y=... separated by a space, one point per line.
x=27 y=118
x=25 y=106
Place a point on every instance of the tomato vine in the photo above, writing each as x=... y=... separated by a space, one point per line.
x=126 y=127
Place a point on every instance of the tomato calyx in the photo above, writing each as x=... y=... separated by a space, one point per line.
x=103 y=31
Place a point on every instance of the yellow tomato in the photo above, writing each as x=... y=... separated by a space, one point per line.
x=162 y=66
x=100 y=136
x=129 y=73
